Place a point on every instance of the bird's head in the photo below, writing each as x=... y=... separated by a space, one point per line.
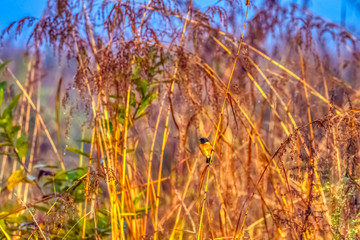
x=204 y=140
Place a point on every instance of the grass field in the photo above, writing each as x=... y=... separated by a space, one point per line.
x=101 y=118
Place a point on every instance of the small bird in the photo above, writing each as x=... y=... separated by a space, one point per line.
x=206 y=149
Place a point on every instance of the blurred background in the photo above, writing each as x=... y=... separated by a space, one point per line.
x=103 y=140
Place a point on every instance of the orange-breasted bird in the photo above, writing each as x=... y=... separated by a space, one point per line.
x=206 y=149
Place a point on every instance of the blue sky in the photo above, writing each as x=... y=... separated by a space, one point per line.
x=12 y=10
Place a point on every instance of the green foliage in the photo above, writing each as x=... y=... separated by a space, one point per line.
x=347 y=188
x=143 y=76
x=354 y=227
x=63 y=180
x=70 y=182
x=145 y=103
x=67 y=183
x=77 y=151
x=22 y=146
x=9 y=133
x=2 y=67
x=8 y=110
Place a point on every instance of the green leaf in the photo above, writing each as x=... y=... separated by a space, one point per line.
x=57 y=182
x=145 y=102
x=2 y=144
x=153 y=96
x=44 y=166
x=85 y=140
x=132 y=99
x=143 y=105
x=4 y=121
x=4 y=229
x=17 y=177
x=152 y=54
x=135 y=77
x=143 y=86
x=136 y=69
x=110 y=126
x=138 y=198
x=11 y=130
x=140 y=210
x=16 y=218
x=12 y=104
x=41 y=208
x=57 y=107
x=115 y=96
x=76 y=173
x=121 y=115
x=1 y=96
x=61 y=176
x=151 y=71
x=3 y=214
x=3 y=65
x=3 y=85
x=77 y=151
x=129 y=150
x=22 y=146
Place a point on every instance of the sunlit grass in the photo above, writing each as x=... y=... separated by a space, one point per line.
x=114 y=153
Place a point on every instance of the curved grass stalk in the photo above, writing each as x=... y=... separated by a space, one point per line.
x=231 y=38
x=29 y=79
x=220 y=118
x=32 y=215
x=314 y=163
x=101 y=125
x=3 y=165
x=182 y=200
x=262 y=91
x=142 y=19
x=167 y=121
x=83 y=217
x=88 y=181
x=32 y=153
x=295 y=125
x=149 y=179
x=222 y=200
x=288 y=113
x=101 y=95
x=95 y=137
x=165 y=137
x=110 y=179
x=307 y=150
x=314 y=92
x=258 y=137
x=124 y=162
x=110 y=157
x=5 y=233
x=257 y=134
x=334 y=130
x=36 y=128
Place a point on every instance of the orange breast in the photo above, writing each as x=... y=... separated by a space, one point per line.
x=206 y=149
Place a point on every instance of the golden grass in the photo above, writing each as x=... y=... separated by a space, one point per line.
x=284 y=128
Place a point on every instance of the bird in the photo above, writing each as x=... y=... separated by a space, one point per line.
x=206 y=149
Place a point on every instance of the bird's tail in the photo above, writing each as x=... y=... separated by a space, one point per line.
x=208 y=160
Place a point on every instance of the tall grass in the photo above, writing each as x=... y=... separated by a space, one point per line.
x=111 y=152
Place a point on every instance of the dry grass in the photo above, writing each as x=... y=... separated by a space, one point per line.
x=279 y=101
